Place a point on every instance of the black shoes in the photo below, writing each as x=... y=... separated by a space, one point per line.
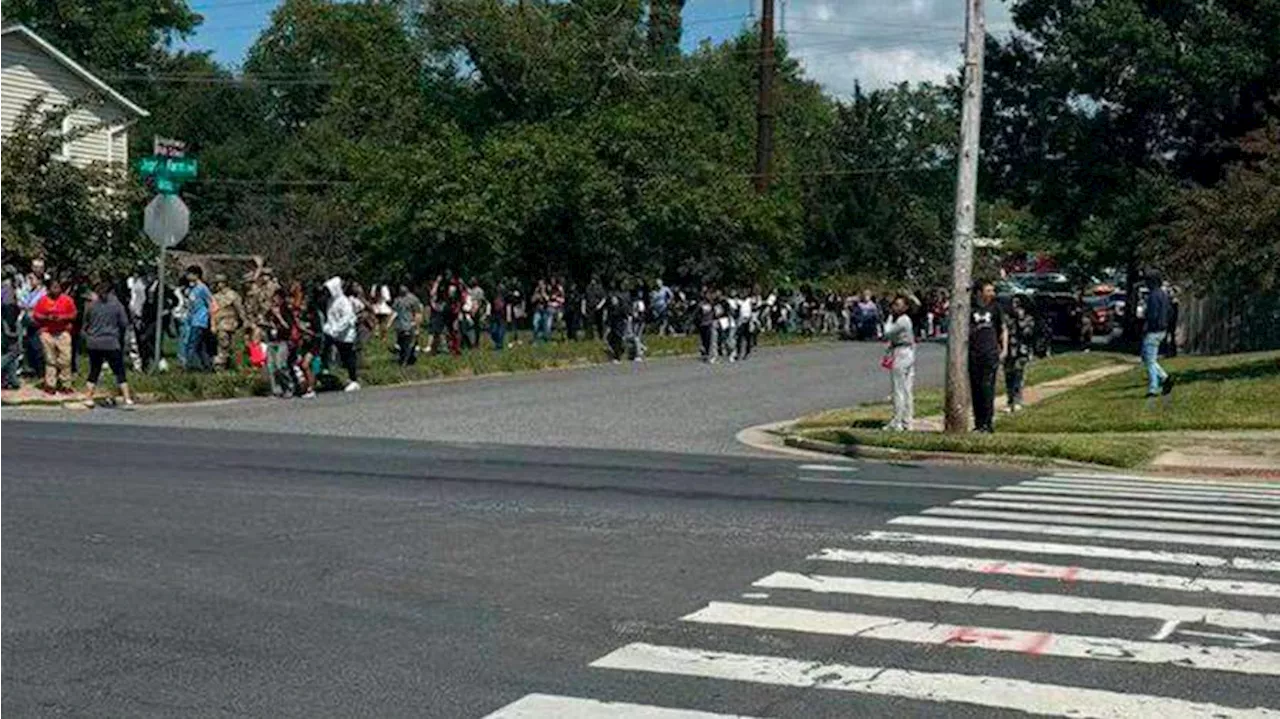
x=1166 y=386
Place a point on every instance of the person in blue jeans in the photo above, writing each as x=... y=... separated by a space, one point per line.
x=198 y=315
x=1157 y=325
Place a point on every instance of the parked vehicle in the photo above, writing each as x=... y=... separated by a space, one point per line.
x=1060 y=306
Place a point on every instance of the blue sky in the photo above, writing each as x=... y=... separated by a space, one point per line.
x=875 y=42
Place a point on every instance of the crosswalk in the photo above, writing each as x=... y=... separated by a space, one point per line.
x=1072 y=594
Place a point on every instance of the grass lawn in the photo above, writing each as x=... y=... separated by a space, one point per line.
x=929 y=401
x=1113 y=451
x=1212 y=393
x=378 y=366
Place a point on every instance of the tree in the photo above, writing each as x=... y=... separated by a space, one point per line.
x=1227 y=236
x=79 y=219
x=108 y=36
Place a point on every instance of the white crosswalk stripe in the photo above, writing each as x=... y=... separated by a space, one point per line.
x=1214 y=618
x=1031 y=697
x=1103 y=521
x=812 y=621
x=1204 y=515
x=1059 y=572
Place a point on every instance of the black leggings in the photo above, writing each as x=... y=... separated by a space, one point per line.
x=347 y=355
x=114 y=360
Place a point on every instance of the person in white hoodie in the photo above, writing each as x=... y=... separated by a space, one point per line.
x=340 y=329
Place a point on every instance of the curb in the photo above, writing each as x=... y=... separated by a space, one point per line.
x=863 y=451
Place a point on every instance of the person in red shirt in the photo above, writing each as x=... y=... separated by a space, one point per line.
x=54 y=315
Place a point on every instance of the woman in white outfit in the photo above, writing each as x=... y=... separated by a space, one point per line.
x=900 y=335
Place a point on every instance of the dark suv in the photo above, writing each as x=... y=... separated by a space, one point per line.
x=1061 y=309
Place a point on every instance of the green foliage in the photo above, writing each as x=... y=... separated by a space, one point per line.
x=1115 y=451
x=78 y=218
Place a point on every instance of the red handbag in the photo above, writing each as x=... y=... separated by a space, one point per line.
x=887 y=360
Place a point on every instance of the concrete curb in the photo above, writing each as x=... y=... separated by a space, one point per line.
x=863 y=451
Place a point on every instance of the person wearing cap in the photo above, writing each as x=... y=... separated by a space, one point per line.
x=228 y=319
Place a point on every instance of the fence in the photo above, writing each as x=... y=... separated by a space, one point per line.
x=1214 y=325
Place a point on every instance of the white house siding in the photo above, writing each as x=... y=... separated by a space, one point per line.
x=28 y=71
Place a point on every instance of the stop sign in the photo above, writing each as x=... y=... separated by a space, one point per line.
x=166 y=220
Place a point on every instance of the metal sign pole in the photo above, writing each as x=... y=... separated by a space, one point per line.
x=155 y=360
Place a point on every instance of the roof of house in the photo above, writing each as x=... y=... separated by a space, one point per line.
x=74 y=67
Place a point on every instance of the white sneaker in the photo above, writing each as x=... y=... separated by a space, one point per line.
x=352 y=387
x=309 y=394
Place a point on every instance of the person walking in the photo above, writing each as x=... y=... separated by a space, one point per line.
x=616 y=316
x=199 y=314
x=988 y=338
x=1158 y=314
x=1022 y=340
x=106 y=324
x=744 y=337
x=53 y=315
x=705 y=316
x=408 y=317
x=228 y=318
x=340 y=330
x=279 y=333
x=899 y=332
x=636 y=324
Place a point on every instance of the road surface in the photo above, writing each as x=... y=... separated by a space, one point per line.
x=155 y=570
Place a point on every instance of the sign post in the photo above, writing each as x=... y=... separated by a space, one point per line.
x=167 y=219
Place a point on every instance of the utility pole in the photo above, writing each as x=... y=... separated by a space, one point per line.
x=764 y=112
x=958 y=401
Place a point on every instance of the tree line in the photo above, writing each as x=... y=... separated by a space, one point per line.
x=526 y=138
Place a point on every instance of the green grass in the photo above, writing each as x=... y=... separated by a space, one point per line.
x=929 y=401
x=1212 y=393
x=1112 y=451
x=378 y=366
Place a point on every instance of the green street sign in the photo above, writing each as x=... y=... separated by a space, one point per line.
x=168 y=173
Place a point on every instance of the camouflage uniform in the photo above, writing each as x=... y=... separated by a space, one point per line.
x=227 y=320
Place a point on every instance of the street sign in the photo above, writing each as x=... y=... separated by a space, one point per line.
x=166 y=220
x=168 y=173
x=168 y=147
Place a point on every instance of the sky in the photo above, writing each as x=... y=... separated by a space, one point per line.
x=876 y=43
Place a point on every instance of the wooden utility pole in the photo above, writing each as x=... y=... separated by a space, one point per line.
x=764 y=111
x=958 y=401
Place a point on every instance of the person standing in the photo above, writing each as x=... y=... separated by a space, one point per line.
x=899 y=332
x=228 y=319
x=988 y=338
x=408 y=317
x=29 y=295
x=636 y=323
x=279 y=333
x=53 y=315
x=616 y=316
x=499 y=316
x=660 y=300
x=106 y=323
x=1158 y=313
x=743 y=338
x=541 y=317
x=1022 y=340
x=198 y=319
x=705 y=316
x=340 y=330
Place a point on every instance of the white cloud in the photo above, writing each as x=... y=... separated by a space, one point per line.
x=878 y=43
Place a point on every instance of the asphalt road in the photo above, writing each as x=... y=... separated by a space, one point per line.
x=197 y=571
x=670 y=404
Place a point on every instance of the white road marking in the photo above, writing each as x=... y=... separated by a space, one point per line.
x=1172 y=481
x=548 y=706
x=1090 y=532
x=1026 y=601
x=1059 y=572
x=1103 y=521
x=879 y=483
x=1195 y=656
x=1117 y=511
x=827 y=480
x=1071 y=490
x=1074 y=550
x=827 y=468
x=1218 y=509
x=1233 y=497
x=987 y=691
x=1250 y=493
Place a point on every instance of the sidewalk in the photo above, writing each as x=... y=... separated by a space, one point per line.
x=1032 y=395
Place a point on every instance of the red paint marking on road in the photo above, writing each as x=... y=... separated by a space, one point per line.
x=994 y=567
x=1070 y=575
x=1038 y=643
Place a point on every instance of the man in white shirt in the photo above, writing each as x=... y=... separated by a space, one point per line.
x=746 y=327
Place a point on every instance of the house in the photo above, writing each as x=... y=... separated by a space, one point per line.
x=31 y=66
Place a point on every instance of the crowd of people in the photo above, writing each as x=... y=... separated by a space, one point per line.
x=301 y=337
